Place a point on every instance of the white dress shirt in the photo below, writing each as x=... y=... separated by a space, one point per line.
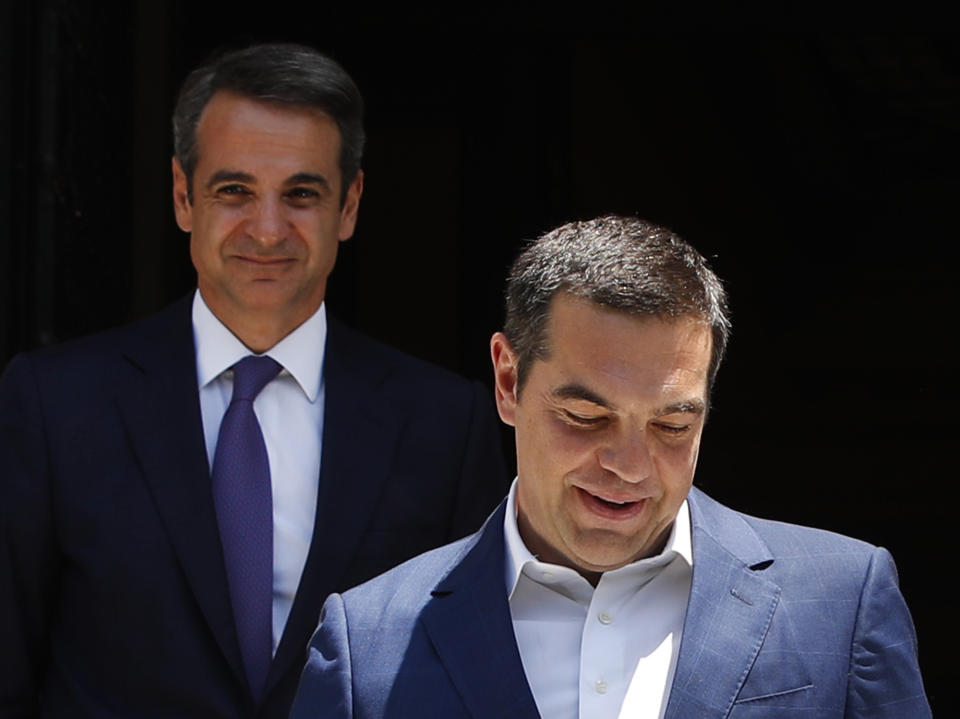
x=602 y=652
x=290 y=412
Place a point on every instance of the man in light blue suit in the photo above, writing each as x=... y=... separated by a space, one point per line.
x=605 y=585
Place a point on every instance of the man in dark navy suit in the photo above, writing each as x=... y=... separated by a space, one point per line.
x=179 y=496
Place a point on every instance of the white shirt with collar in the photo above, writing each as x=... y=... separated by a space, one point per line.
x=290 y=412
x=609 y=651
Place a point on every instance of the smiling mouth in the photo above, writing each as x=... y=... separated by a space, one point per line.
x=264 y=260
x=611 y=503
x=610 y=508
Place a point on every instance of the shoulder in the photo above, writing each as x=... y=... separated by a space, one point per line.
x=781 y=537
x=169 y=325
x=94 y=360
x=403 y=591
x=795 y=553
x=371 y=643
x=813 y=557
x=460 y=566
x=838 y=623
x=382 y=361
x=413 y=387
x=795 y=540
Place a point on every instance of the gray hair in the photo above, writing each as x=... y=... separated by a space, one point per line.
x=623 y=263
x=284 y=74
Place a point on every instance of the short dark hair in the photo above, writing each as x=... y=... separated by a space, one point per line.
x=281 y=73
x=623 y=263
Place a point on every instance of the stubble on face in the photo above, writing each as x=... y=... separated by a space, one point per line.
x=608 y=428
x=265 y=219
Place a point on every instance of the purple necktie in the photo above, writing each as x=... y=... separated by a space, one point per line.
x=244 y=504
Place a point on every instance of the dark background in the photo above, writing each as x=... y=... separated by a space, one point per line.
x=819 y=172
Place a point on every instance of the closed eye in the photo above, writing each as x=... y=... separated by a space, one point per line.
x=673 y=429
x=583 y=420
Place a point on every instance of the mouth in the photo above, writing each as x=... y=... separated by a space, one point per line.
x=610 y=507
x=264 y=261
x=263 y=268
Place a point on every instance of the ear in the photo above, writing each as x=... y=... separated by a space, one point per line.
x=181 y=198
x=504 y=377
x=351 y=206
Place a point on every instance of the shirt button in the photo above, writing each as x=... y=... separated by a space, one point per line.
x=601 y=686
x=604 y=618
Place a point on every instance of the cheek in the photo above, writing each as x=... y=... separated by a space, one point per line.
x=205 y=250
x=676 y=468
x=199 y=250
x=317 y=243
x=222 y=217
x=550 y=451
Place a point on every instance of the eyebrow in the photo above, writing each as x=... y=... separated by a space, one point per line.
x=579 y=392
x=690 y=406
x=307 y=178
x=300 y=178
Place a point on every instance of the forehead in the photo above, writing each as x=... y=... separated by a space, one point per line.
x=234 y=130
x=625 y=357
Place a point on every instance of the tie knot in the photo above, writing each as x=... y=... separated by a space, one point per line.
x=251 y=374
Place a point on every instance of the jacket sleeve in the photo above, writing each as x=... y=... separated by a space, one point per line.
x=326 y=683
x=29 y=559
x=484 y=481
x=884 y=679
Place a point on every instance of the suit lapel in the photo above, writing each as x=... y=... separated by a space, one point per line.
x=468 y=621
x=728 y=615
x=159 y=402
x=359 y=439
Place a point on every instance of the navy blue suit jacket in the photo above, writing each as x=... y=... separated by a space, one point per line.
x=113 y=596
x=783 y=621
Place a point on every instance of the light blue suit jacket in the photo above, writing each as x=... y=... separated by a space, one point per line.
x=783 y=621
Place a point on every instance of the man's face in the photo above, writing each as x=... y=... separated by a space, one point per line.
x=265 y=219
x=608 y=428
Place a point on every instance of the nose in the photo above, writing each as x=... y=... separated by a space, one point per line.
x=626 y=455
x=268 y=224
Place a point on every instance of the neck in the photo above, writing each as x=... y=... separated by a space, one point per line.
x=259 y=330
x=261 y=333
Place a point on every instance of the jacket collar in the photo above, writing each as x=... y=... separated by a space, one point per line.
x=468 y=621
x=158 y=398
x=360 y=433
x=730 y=609
x=159 y=401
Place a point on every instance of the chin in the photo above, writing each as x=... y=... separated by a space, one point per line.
x=268 y=295
x=595 y=559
